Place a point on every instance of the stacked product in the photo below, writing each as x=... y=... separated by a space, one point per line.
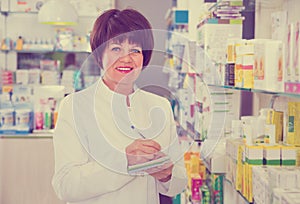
x=71 y=80
x=257 y=63
x=46 y=103
x=49 y=77
x=196 y=173
x=268 y=65
x=224 y=21
x=50 y=72
x=242 y=159
x=228 y=10
x=276 y=184
x=230 y=63
x=7 y=77
x=292 y=81
x=243 y=69
x=16 y=111
x=27 y=77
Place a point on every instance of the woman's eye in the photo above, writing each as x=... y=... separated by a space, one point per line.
x=116 y=49
x=136 y=51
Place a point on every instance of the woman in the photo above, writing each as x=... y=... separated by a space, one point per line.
x=106 y=133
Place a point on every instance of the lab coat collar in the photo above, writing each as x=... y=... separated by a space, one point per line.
x=103 y=89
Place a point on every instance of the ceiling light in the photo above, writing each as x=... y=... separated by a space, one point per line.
x=57 y=12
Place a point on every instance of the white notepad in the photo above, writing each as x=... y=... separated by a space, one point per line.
x=148 y=165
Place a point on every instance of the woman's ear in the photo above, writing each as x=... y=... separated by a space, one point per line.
x=98 y=61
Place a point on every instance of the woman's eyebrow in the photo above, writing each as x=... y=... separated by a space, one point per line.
x=136 y=45
x=120 y=44
x=114 y=43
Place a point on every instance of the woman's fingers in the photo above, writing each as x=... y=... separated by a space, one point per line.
x=141 y=151
x=150 y=143
x=146 y=146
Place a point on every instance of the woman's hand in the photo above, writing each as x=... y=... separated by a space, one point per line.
x=162 y=173
x=141 y=150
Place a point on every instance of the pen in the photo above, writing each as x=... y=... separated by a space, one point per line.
x=132 y=127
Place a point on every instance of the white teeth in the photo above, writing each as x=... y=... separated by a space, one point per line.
x=124 y=68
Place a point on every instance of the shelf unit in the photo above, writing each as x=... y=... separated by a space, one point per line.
x=28 y=136
x=266 y=96
x=16 y=23
x=46 y=51
x=278 y=94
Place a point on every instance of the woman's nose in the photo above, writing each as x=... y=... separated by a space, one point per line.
x=126 y=57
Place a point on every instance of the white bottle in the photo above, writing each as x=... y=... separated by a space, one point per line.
x=261 y=122
x=248 y=124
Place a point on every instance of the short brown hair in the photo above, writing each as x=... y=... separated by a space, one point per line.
x=113 y=23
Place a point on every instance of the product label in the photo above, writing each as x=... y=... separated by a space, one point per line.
x=291 y=124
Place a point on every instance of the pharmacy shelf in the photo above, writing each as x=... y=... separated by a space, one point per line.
x=285 y=94
x=28 y=136
x=46 y=51
x=214 y=5
x=6 y=13
x=231 y=195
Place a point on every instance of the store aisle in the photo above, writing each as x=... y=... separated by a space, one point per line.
x=231 y=196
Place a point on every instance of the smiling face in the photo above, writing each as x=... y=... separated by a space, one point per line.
x=122 y=63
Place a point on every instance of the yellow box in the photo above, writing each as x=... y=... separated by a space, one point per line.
x=297 y=124
x=189 y=177
x=250 y=184
x=202 y=171
x=290 y=139
x=231 y=53
x=239 y=169
x=245 y=180
x=293 y=134
x=297 y=156
x=278 y=121
x=247 y=71
x=7 y=88
x=238 y=72
x=276 y=118
x=239 y=178
x=247 y=80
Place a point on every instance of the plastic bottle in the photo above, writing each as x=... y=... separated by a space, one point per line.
x=261 y=123
x=205 y=193
x=248 y=128
x=19 y=43
x=236 y=129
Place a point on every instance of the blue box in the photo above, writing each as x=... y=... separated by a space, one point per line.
x=181 y=17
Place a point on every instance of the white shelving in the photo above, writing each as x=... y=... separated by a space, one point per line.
x=22 y=20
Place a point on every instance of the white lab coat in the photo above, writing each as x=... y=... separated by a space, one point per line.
x=92 y=132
